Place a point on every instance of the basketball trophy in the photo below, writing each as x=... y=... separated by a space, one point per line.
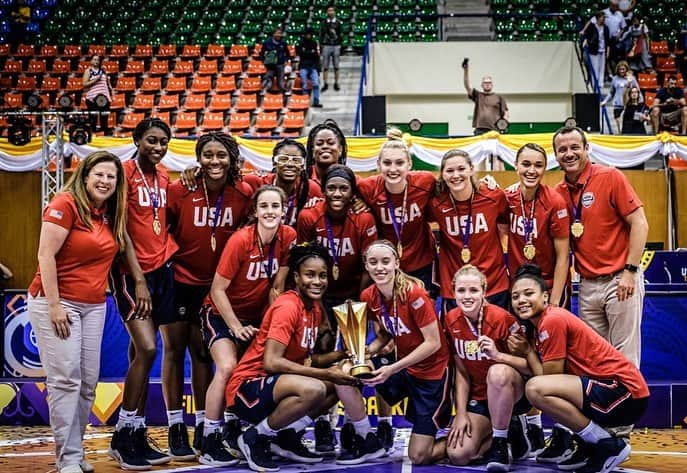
x=352 y=319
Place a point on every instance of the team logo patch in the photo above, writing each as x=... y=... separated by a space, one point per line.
x=269 y=380
x=587 y=199
x=543 y=335
x=472 y=403
x=562 y=213
x=371 y=231
x=20 y=345
x=182 y=311
x=419 y=302
x=514 y=328
x=55 y=214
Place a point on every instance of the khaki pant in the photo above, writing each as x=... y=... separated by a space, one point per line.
x=72 y=367
x=617 y=322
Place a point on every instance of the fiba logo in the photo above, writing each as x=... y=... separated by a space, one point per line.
x=20 y=345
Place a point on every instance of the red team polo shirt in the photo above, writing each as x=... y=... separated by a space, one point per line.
x=417 y=312
x=607 y=198
x=83 y=262
x=489 y=208
x=416 y=236
x=497 y=324
x=550 y=221
x=288 y=322
x=351 y=237
x=561 y=335
x=191 y=219
x=151 y=250
x=242 y=265
x=314 y=192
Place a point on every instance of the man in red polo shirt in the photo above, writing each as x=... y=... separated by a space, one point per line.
x=608 y=231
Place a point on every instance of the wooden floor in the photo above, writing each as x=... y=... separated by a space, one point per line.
x=30 y=449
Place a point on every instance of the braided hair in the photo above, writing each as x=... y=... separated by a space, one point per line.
x=331 y=125
x=304 y=251
x=148 y=123
x=303 y=190
x=232 y=147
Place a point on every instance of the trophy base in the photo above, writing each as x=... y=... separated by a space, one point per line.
x=361 y=371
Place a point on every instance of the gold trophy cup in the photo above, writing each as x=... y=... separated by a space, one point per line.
x=352 y=319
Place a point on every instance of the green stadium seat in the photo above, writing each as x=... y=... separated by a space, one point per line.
x=406 y=38
x=550 y=37
x=505 y=26
x=385 y=27
x=161 y=27
x=548 y=24
x=526 y=25
x=569 y=25
x=255 y=15
x=528 y=36
x=234 y=14
x=229 y=29
x=251 y=28
x=203 y=38
x=358 y=41
x=412 y=3
x=185 y=29
x=406 y=28
x=384 y=38
x=191 y=15
x=299 y=14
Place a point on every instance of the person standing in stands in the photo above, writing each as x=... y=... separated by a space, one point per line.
x=274 y=54
x=597 y=40
x=83 y=230
x=307 y=50
x=331 y=38
x=489 y=107
x=96 y=82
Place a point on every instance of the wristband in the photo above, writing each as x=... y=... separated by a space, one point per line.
x=631 y=268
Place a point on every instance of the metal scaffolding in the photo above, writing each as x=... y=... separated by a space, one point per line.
x=52 y=156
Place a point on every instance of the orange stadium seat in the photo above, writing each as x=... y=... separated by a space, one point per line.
x=232 y=67
x=256 y=50
x=125 y=84
x=164 y=116
x=176 y=85
x=297 y=84
x=24 y=51
x=118 y=102
x=212 y=121
x=186 y=121
x=112 y=67
x=201 y=84
x=74 y=84
x=293 y=119
x=143 y=51
x=13 y=100
x=166 y=51
x=273 y=102
x=151 y=84
x=51 y=84
x=71 y=51
x=194 y=102
x=680 y=81
x=119 y=51
x=48 y=51
x=60 y=67
x=159 y=67
x=134 y=67
x=214 y=51
x=96 y=49
x=132 y=119
x=659 y=48
x=239 y=121
x=292 y=50
x=247 y=102
x=144 y=102
x=256 y=68
x=238 y=51
x=190 y=51
x=183 y=68
x=220 y=102
x=82 y=67
x=12 y=67
x=666 y=64
x=36 y=67
x=26 y=84
x=251 y=85
x=168 y=102
x=266 y=121
x=299 y=102
x=4 y=50
x=225 y=84
x=649 y=98
x=207 y=67
x=647 y=81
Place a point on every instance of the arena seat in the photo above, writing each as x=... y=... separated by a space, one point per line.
x=194 y=102
x=207 y=67
x=298 y=102
x=131 y=119
x=186 y=121
x=212 y=121
x=201 y=84
x=225 y=84
x=293 y=120
x=273 y=102
x=232 y=67
x=266 y=121
x=159 y=67
x=176 y=85
x=246 y=102
x=168 y=102
x=220 y=102
x=151 y=84
x=144 y=102
x=239 y=121
x=251 y=85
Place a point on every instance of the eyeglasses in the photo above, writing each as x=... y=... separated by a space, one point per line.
x=287 y=159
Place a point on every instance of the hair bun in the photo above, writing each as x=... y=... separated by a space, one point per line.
x=528 y=269
x=394 y=134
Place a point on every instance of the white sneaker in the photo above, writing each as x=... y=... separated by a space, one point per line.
x=86 y=466
x=71 y=469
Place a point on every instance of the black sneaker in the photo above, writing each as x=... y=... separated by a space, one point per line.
x=123 y=451
x=347 y=436
x=325 y=87
x=536 y=436
x=606 y=455
x=177 y=440
x=198 y=438
x=230 y=437
x=579 y=458
x=324 y=436
x=517 y=438
x=256 y=450
x=559 y=448
x=214 y=454
x=336 y=86
x=142 y=444
x=289 y=444
x=497 y=457
x=369 y=448
x=317 y=105
x=386 y=435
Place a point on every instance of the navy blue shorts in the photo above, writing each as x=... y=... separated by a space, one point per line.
x=429 y=401
x=188 y=301
x=481 y=407
x=254 y=399
x=214 y=328
x=160 y=285
x=608 y=402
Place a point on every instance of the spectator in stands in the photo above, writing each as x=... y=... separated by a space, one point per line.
x=635 y=112
x=274 y=54
x=331 y=39
x=20 y=15
x=669 y=108
x=615 y=20
x=96 y=83
x=489 y=107
x=597 y=40
x=682 y=60
x=619 y=84
x=637 y=38
x=308 y=52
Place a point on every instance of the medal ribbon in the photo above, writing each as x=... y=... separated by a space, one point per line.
x=577 y=208
x=465 y=235
x=480 y=320
x=289 y=208
x=388 y=324
x=154 y=196
x=218 y=206
x=268 y=269
x=398 y=228
x=333 y=250
x=528 y=222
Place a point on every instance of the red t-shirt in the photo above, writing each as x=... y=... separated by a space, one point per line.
x=413 y=314
x=84 y=260
x=607 y=198
x=351 y=237
x=416 y=235
x=550 y=221
x=242 y=263
x=314 y=193
x=561 y=335
x=151 y=250
x=489 y=208
x=288 y=322
x=497 y=324
x=191 y=219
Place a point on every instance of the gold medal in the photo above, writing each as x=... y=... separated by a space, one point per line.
x=157 y=226
x=213 y=243
x=577 y=229
x=308 y=361
x=471 y=347
x=399 y=249
x=529 y=251
x=465 y=254
x=335 y=272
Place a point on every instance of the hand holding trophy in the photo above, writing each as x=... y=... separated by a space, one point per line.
x=352 y=319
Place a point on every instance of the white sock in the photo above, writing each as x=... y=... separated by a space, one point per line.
x=126 y=419
x=211 y=426
x=175 y=417
x=362 y=426
x=139 y=422
x=229 y=416
x=264 y=428
x=300 y=424
x=200 y=417
x=562 y=427
x=324 y=417
x=534 y=420
x=502 y=433
x=593 y=433
x=384 y=419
